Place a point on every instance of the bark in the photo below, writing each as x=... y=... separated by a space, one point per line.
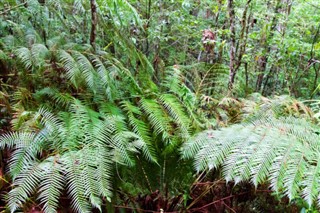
x=241 y=46
x=316 y=71
x=237 y=50
x=232 y=52
x=148 y=16
x=247 y=76
x=94 y=21
x=262 y=62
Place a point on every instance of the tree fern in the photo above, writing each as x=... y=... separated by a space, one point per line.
x=284 y=152
x=80 y=147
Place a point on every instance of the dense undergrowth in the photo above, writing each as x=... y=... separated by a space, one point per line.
x=120 y=106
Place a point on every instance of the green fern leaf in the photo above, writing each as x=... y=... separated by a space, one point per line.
x=52 y=184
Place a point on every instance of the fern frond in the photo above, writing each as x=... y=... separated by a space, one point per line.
x=117 y=69
x=122 y=12
x=141 y=129
x=283 y=151
x=24 y=56
x=176 y=111
x=92 y=186
x=310 y=183
x=106 y=77
x=86 y=69
x=70 y=66
x=24 y=185
x=121 y=143
x=103 y=171
x=61 y=99
x=27 y=146
x=39 y=52
x=49 y=120
x=51 y=185
x=73 y=170
x=157 y=117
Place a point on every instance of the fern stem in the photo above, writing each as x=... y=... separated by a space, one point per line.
x=163 y=174
x=145 y=174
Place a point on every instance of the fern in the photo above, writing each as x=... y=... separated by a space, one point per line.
x=283 y=151
x=52 y=184
x=140 y=128
x=70 y=65
x=173 y=106
x=80 y=146
x=25 y=57
x=24 y=185
x=158 y=119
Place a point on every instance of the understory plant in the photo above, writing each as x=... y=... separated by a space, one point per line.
x=272 y=146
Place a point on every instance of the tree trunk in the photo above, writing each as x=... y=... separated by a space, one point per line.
x=237 y=50
x=242 y=41
x=148 y=16
x=93 y=23
x=316 y=71
x=262 y=62
x=232 y=52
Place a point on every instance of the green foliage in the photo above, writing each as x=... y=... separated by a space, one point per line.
x=284 y=152
x=76 y=149
x=80 y=113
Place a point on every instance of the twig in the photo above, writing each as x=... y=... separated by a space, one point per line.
x=228 y=207
x=12 y=8
x=195 y=209
x=315 y=6
x=217 y=201
x=142 y=210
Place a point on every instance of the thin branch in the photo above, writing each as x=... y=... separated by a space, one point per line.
x=228 y=207
x=217 y=201
x=315 y=6
x=12 y=8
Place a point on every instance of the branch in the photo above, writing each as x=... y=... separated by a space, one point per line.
x=12 y=8
x=315 y=6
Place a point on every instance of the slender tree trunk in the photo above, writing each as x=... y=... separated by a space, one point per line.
x=237 y=50
x=148 y=16
x=232 y=52
x=262 y=62
x=316 y=71
x=247 y=75
x=242 y=41
x=282 y=27
x=94 y=21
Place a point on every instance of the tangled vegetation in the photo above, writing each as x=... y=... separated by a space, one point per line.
x=159 y=106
